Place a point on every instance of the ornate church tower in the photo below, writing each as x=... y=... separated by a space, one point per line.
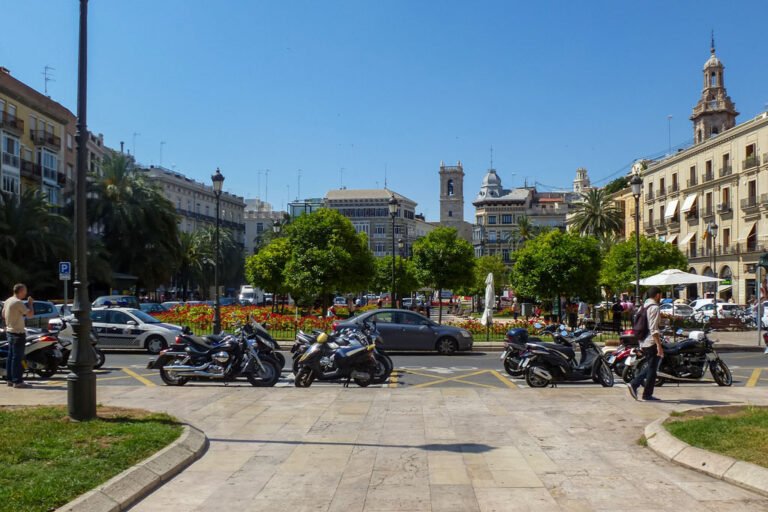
x=715 y=112
x=581 y=184
x=451 y=195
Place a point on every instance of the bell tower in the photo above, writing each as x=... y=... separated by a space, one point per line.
x=451 y=195
x=715 y=112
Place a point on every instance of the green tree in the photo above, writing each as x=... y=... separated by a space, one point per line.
x=655 y=256
x=327 y=255
x=597 y=215
x=443 y=261
x=485 y=265
x=190 y=265
x=619 y=183
x=557 y=262
x=265 y=268
x=32 y=240
x=231 y=257
x=405 y=275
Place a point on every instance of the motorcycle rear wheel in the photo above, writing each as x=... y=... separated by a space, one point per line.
x=264 y=378
x=171 y=380
x=721 y=373
x=304 y=377
x=534 y=380
x=512 y=367
x=363 y=383
x=641 y=366
x=280 y=360
x=628 y=373
x=100 y=358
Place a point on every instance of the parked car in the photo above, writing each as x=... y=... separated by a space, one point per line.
x=699 y=303
x=64 y=310
x=119 y=327
x=680 y=310
x=152 y=307
x=725 y=310
x=401 y=329
x=171 y=304
x=340 y=301
x=128 y=301
x=408 y=302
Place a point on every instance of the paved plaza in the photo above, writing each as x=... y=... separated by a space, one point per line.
x=427 y=449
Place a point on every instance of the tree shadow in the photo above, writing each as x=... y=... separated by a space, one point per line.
x=430 y=447
x=693 y=401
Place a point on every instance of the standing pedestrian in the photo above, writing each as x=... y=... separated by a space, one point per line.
x=651 y=346
x=14 y=311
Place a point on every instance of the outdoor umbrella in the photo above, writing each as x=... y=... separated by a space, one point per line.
x=674 y=276
x=490 y=302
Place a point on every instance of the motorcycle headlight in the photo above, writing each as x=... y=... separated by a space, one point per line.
x=269 y=344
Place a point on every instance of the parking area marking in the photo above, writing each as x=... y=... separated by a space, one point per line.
x=458 y=378
x=138 y=377
x=503 y=379
x=393 y=379
x=753 y=379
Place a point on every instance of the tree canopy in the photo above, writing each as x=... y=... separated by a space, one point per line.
x=619 y=183
x=557 y=262
x=405 y=276
x=655 y=256
x=596 y=215
x=484 y=266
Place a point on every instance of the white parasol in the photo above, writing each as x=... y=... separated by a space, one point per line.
x=674 y=276
x=490 y=301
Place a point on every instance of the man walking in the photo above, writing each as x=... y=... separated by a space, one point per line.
x=14 y=311
x=651 y=346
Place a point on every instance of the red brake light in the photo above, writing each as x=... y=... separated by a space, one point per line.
x=335 y=326
x=47 y=338
x=178 y=340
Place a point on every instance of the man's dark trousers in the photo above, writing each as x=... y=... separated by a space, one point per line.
x=648 y=373
x=13 y=370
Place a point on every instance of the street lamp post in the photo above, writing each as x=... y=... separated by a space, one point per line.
x=81 y=382
x=400 y=246
x=218 y=181
x=393 y=204
x=637 y=189
x=712 y=230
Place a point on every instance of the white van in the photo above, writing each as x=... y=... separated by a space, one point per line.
x=250 y=295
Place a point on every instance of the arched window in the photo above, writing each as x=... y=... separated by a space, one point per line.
x=450 y=187
x=713 y=79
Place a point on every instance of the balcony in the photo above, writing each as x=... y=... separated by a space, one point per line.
x=693 y=182
x=11 y=123
x=708 y=176
x=708 y=211
x=12 y=160
x=692 y=215
x=764 y=199
x=673 y=188
x=674 y=222
x=649 y=195
x=723 y=208
x=662 y=191
x=750 y=162
x=750 y=203
x=648 y=226
x=43 y=138
x=726 y=171
x=31 y=170
x=659 y=224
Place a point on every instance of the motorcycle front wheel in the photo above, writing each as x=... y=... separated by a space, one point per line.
x=267 y=377
x=304 y=377
x=533 y=380
x=383 y=369
x=721 y=373
x=512 y=366
x=100 y=358
x=628 y=373
x=603 y=374
x=173 y=380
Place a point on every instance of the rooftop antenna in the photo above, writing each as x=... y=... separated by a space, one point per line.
x=341 y=178
x=162 y=143
x=258 y=184
x=266 y=185
x=298 y=178
x=135 y=134
x=712 y=51
x=47 y=77
x=491 y=156
x=385 y=176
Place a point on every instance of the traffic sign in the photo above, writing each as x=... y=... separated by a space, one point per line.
x=65 y=271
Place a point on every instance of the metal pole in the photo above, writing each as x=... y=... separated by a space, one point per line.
x=637 y=251
x=392 y=304
x=759 y=285
x=216 y=305
x=81 y=382
x=66 y=296
x=714 y=264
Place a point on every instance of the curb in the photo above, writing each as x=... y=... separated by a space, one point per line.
x=489 y=346
x=135 y=483
x=737 y=472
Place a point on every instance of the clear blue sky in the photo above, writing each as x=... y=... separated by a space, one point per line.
x=364 y=85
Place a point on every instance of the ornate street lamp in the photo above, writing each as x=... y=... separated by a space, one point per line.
x=276 y=227
x=712 y=230
x=218 y=181
x=400 y=246
x=81 y=382
x=637 y=189
x=393 y=205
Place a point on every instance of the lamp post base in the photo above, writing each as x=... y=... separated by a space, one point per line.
x=81 y=395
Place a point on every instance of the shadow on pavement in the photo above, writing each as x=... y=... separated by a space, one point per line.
x=432 y=447
x=697 y=402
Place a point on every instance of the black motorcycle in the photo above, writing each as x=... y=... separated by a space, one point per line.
x=64 y=335
x=266 y=343
x=216 y=357
x=688 y=361
x=41 y=355
x=515 y=345
x=353 y=362
x=547 y=364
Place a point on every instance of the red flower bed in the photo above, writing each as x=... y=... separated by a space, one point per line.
x=199 y=318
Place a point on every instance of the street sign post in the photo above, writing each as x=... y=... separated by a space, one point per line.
x=65 y=274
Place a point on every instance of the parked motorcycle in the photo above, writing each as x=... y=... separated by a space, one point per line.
x=64 y=336
x=688 y=361
x=548 y=364
x=266 y=343
x=515 y=346
x=353 y=362
x=41 y=355
x=216 y=357
x=627 y=346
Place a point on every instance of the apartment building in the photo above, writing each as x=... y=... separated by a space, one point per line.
x=37 y=137
x=259 y=217
x=196 y=203
x=711 y=199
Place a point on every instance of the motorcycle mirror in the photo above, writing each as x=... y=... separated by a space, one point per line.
x=537 y=325
x=679 y=332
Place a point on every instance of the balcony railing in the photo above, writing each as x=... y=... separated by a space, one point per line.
x=662 y=191
x=12 y=160
x=726 y=171
x=708 y=176
x=723 y=208
x=42 y=137
x=30 y=170
x=707 y=211
x=11 y=122
x=648 y=226
x=674 y=222
x=649 y=195
x=750 y=162
x=749 y=203
x=763 y=198
x=659 y=224
x=673 y=188
x=693 y=181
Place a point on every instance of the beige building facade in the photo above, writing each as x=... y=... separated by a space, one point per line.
x=711 y=200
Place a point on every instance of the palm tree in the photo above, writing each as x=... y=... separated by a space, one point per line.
x=231 y=256
x=191 y=261
x=596 y=215
x=524 y=231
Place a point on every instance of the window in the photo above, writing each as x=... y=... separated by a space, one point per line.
x=478 y=219
x=117 y=317
x=450 y=213
x=506 y=219
x=709 y=169
x=197 y=208
x=692 y=175
x=50 y=164
x=385 y=317
x=726 y=237
x=207 y=211
x=491 y=219
x=10 y=184
x=661 y=186
x=69 y=141
x=99 y=316
x=674 y=182
x=69 y=176
x=492 y=237
x=505 y=255
x=259 y=227
x=650 y=189
x=51 y=193
x=449 y=190
x=726 y=162
x=380 y=229
x=398 y=230
x=752 y=191
x=726 y=196
x=412 y=319
x=379 y=247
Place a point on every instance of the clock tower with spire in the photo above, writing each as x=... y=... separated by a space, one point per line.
x=715 y=112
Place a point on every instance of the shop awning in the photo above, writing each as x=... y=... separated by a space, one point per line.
x=688 y=203
x=687 y=238
x=751 y=228
x=724 y=288
x=671 y=209
x=671 y=239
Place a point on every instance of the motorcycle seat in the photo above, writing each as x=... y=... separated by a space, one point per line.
x=213 y=338
x=199 y=344
x=304 y=337
x=675 y=348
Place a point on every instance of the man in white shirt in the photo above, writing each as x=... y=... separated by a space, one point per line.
x=652 y=348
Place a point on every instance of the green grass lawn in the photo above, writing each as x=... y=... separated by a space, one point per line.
x=46 y=460
x=739 y=432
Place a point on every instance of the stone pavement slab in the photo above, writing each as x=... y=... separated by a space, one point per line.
x=428 y=449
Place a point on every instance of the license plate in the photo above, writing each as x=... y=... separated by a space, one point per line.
x=611 y=359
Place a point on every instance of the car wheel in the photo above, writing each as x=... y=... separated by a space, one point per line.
x=155 y=344
x=446 y=346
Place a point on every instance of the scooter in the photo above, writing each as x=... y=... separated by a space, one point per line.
x=65 y=335
x=515 y=345
x=557 y=362
x=618 y=358
x=41 y=355
x=354 y=362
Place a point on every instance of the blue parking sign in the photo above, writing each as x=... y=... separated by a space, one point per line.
x=65 y=270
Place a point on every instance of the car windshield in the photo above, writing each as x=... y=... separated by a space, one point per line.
x=145 y=318
x=247 y=295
